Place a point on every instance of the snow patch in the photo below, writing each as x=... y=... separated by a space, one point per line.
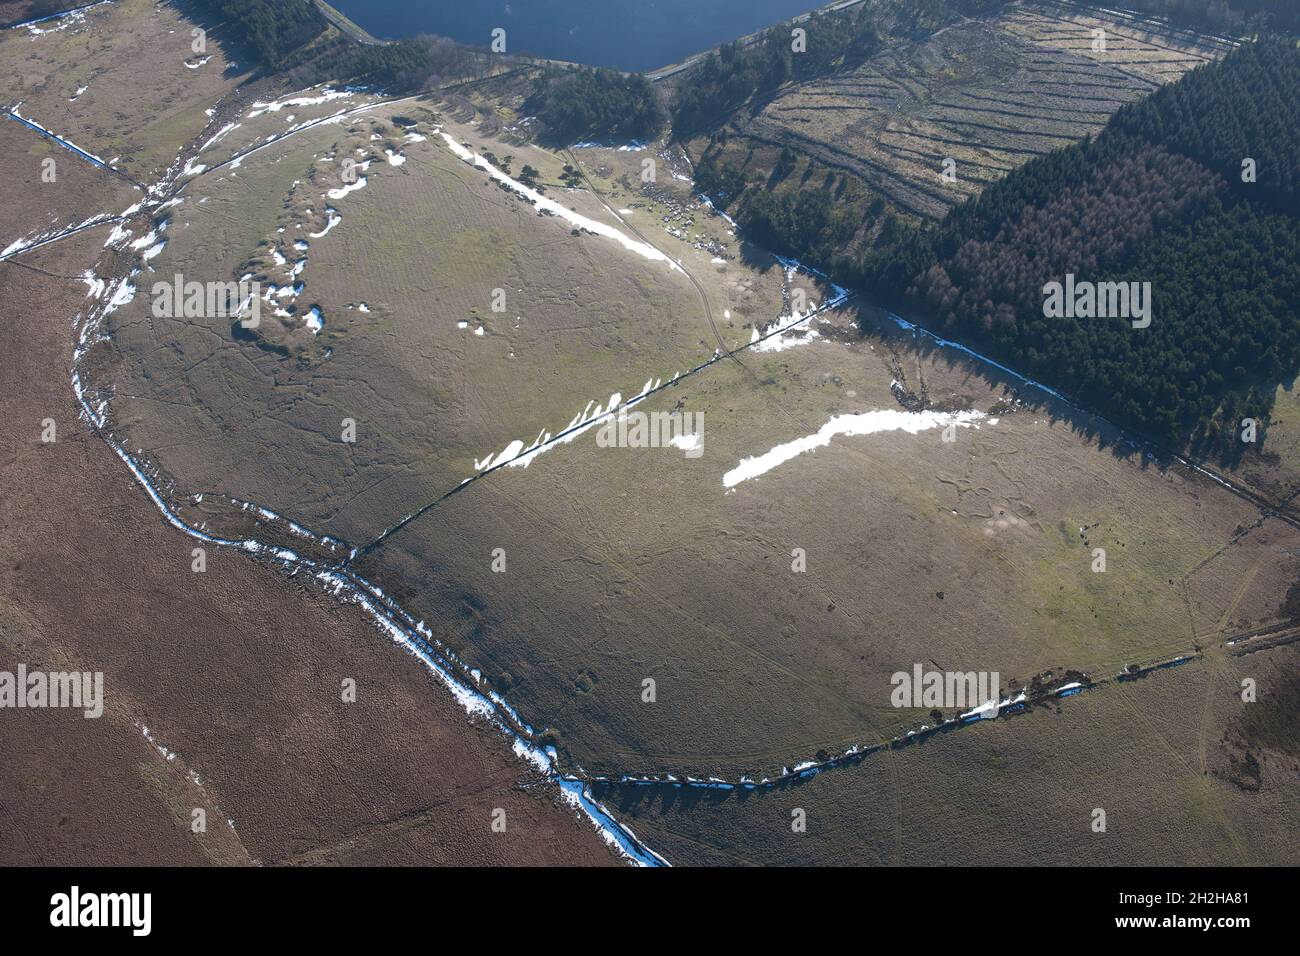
x=563 y=212
x=866 y=423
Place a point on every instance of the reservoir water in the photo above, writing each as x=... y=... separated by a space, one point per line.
x=626 y=34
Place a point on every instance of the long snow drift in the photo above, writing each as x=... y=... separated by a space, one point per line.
x=866 y=423
x=564 y=212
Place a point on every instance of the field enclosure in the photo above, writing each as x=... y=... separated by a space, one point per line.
x=986 y=94
x=626 y=565
x=1166 y=758
x=975 y=554
x=205 y=706
x=437 y=309
x=120 y=80
x=448 y=318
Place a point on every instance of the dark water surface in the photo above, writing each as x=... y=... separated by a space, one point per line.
x=627 y=34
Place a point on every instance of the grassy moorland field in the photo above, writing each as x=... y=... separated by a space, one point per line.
x=1186 y=773
x=402 y=271
x=1274 y=469
x=82 y=78
x=443 y=304
x=41 y=208
x=222 y=689
x=976 y=554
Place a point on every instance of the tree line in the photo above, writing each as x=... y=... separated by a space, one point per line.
x=595 y=104
x=1235 y=16
x=1192 y=190
x=272 y=29
x=1161 y=196
x=414 y=63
